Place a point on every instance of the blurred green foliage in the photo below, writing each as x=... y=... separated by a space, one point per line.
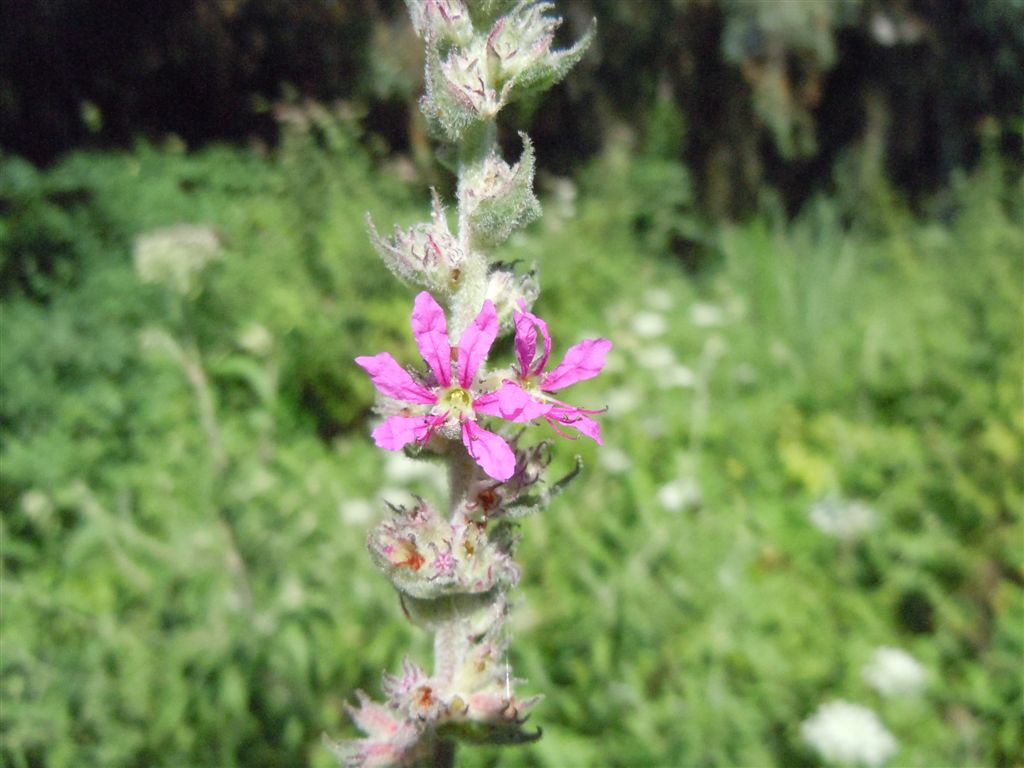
x=187 y=482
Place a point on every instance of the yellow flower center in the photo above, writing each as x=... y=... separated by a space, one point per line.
x=457 y=400
x=531 y=386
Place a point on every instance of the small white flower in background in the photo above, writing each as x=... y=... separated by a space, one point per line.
x=159 y=341
x=622 y=400
x=714 y=348
x=37 y=506
x=677 y=376
x=175 y=255
x=614 y=363
x=649 y=324
x=292 y=593
x=614 y=460
x=402 y=470
x=256 y=340
x=660 y=299
x=705 y=315
x=394 y=495
x=256 y=481
x=657 y=357
x=562 y=200
x=679 y=494
x=894 y=672
x=848 y=734
x=653 y=426
x=355 y=511
x=842 y=519
x=745 y=373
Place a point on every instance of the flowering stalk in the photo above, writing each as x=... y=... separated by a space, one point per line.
x=452 y=568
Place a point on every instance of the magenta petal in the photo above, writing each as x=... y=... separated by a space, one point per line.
x=396 y=432
x=393 y=380
x=583 y=361
x=568 y=416
x=488 y=450
x=476 y=342
x=527 y=325
x=430 y=329
x=372 y=718
x=511 y=402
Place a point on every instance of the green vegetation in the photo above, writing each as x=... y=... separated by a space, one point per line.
x=187 y=480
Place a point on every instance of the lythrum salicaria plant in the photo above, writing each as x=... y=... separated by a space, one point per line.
x=453 y=567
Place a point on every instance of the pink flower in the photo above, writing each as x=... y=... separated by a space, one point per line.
x=528 y=395
x=450 y=400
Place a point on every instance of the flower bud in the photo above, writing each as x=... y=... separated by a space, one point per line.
x=459 y=92
x=506 y=289
x=519 y=49
x=414 y=694
x=425 y=254
x=425 y=557
x=499 y=198
x=441 y=22
x=389 y=741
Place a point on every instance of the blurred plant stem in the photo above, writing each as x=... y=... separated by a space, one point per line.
x=190 y=359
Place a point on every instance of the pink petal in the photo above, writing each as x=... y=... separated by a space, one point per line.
x=527 y=325
x=372 y=718
x=393 y=380
x=488 y=450
x=512 y=402
x=583 y=361
x=396 y=432
x=476 y=342
x=574 y=417
x=431 y=332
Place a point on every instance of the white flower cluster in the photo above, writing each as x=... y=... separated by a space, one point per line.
x=893 y=672
x=679 y=494
x=175 y=255
x=841 y=518
x=848 y=734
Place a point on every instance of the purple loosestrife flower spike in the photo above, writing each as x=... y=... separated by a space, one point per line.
x=453 y=565
x=528 y=394
x=449 y=399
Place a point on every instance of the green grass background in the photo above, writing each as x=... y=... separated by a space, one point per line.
x=161 y=608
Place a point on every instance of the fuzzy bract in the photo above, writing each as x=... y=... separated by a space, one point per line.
x=499 y=198
x=427 y=557
x=390 y=740
x=519 y=51
x=425 y=254
x=470 y=76
x=507 y=289
x=441 y=22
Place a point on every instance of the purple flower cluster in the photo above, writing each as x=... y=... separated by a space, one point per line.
x=451 y=396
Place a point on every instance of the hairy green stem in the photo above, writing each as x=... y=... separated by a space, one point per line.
x=461 y=471
x=469 y=297
x=450 y=639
